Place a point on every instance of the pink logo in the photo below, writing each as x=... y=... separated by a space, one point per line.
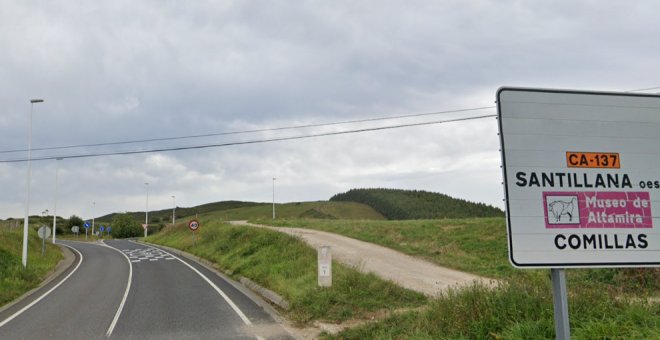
x=611 y=209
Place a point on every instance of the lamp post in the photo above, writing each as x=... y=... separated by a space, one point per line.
x=93 y=209
x=57 y=168
x=273 y=197
x=146 y=212
x=29 y=171
x=173 y=210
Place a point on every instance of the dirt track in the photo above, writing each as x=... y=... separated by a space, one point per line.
x=405 y=270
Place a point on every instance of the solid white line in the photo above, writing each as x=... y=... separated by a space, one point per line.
x=46 y=293
x=128 y=288
x=217 y=289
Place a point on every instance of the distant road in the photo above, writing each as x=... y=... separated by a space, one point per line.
x=125 y=290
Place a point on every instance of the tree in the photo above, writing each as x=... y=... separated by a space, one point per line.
x=72 y=221
x=123 y=226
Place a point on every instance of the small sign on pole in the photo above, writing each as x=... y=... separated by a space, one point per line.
x=145 y=226
x=193 y=225
x=44 y=233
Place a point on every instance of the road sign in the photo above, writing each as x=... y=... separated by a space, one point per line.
x=44 y=232
x=193 y=225
x=581 y=182
x=109 y=229
x=144 y=226
x=102 y=228
x=75 y=229
x=87 y=225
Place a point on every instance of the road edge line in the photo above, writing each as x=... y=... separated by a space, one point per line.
x=128 y=288
x=217 y=289
x=28 y=306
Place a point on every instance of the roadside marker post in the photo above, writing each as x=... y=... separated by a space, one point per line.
x=580 y=182
x=324 y=266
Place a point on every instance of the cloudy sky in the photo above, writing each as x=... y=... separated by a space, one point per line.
x=119 y=71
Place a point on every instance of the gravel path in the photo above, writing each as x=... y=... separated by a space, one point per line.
x=407 y=271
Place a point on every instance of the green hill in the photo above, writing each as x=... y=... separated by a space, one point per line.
x=396 y=204
x=237 y=210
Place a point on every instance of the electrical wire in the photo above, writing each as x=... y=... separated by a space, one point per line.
x=250 y=131
x=257 y=141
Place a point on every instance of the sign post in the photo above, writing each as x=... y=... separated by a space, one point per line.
x=580 y=181
x=86 y=225
x=145 y=226
x=193 y=225
x=44 y=233
x=75 y=229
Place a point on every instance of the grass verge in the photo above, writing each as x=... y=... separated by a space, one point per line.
x=287 y=266
x=521 y=309
x=14 y=279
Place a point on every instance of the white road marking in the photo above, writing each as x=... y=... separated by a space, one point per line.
x=217 y=289
x=128 y=288
x=46 y=293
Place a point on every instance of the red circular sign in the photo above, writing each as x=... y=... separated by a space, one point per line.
x=193 y=225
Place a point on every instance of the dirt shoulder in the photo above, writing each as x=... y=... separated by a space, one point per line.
x=405 y=270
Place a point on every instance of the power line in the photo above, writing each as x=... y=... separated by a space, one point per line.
x=258 y=141
x=646 y=89
x=250 y=131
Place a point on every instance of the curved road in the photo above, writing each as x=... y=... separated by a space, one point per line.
x=125 y=290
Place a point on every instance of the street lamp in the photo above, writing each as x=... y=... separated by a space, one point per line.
x=93 y=209
x=57 y=168
x=27 y=203
x=273 y=197
x=173 y=210
x=146 y=212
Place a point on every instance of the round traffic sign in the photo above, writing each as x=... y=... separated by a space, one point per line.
x=44 y=232
x=193 y=225
x=102 y=228
x=87 y=225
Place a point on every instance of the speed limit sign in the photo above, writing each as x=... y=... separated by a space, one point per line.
x=193 y=225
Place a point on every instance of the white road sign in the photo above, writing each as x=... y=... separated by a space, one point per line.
x=44 y=232
x=581 y=177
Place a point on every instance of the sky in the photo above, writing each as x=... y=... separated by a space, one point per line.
x=112 y=72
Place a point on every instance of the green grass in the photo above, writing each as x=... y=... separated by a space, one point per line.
x=520 y=310
x=287 y=266
x=14 y=279
x=316 y=210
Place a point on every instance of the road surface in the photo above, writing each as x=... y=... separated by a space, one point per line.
x=125 y=290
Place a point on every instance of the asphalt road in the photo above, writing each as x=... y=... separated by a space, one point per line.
x=125 y=290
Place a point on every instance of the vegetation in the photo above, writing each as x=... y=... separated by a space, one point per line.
x=604 y=303
x=14 y=279
x=124 y=226
x=398 y=204
x=521 y=309
x=288 y=266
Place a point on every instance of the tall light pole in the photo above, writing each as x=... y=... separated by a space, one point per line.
x=93 y=209
x=27 y=202
x=57 y=168
x=146 y=212
x=173 y=210
x=273 y=197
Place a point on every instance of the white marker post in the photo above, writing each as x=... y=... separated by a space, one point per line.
x=325 y=266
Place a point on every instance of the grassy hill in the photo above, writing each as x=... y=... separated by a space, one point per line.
x=236 y=210
x=396 y=204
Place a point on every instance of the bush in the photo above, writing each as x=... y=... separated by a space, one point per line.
x=124 y=226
